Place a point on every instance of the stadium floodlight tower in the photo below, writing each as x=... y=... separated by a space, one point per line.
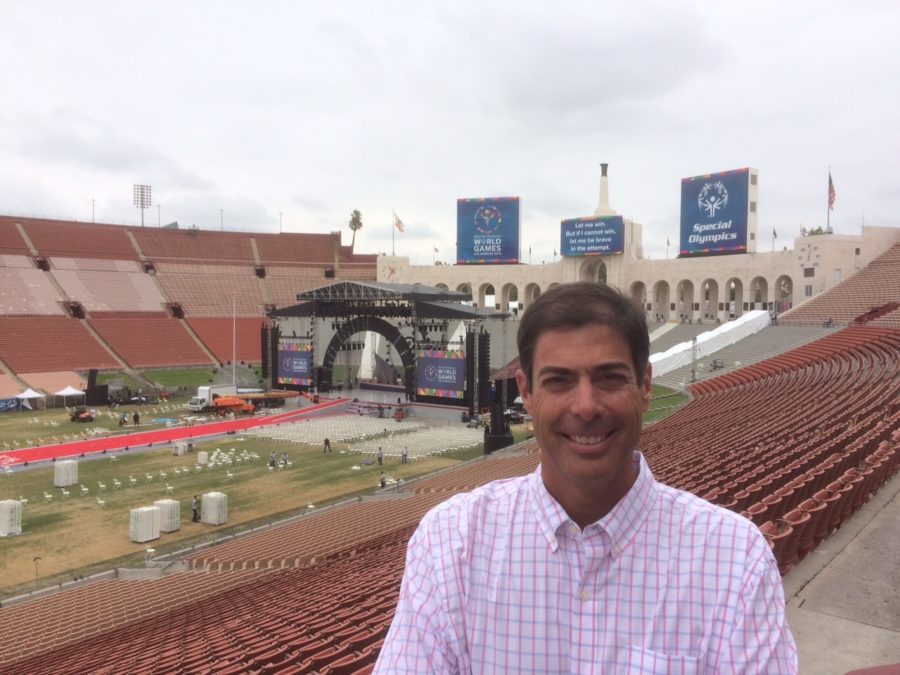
x=142 y=199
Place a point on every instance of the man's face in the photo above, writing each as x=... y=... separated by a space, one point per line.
x=587 y=407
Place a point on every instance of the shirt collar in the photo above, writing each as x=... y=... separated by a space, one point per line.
x=620 y=524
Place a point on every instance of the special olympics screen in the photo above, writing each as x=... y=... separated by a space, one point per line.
x=295 y=362
x=599 y=235
x=714 y=213
x=441 y=373
x=487 y=230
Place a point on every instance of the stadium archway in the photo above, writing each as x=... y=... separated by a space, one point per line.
x=734 y=289
x=784 y=293
x=486 y=296
x=661 y=301
x=532 y=291
x=685 y=301
x=362 y=324
x=710 y=299
x=759 y=289
x=593 y=270
x=639 y=294
x=509 y=297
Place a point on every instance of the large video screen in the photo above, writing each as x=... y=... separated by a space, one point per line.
x=714 y=212
x=487 y=231
x=441 y=373
x=598 y=235
x=295 y=361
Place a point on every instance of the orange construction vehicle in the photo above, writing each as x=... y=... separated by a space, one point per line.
x=224 y=404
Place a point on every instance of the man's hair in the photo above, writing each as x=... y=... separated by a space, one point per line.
x=579 y=304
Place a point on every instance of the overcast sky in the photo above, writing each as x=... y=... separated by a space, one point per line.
x=253 y=113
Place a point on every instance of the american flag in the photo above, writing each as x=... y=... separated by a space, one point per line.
x=831 y=193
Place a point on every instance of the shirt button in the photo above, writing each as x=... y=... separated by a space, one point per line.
x=573 y=529
x=584 y=596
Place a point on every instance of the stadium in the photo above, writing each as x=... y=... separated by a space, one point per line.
x=793 y=421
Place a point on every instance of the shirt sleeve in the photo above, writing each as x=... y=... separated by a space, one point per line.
x=761 y=640
x=417 y=642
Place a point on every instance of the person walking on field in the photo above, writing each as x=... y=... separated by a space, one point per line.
x=379 y=456
x=327 y=446
x=404 y=455
x=195 y=510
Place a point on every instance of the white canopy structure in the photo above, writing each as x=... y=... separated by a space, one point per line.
x=68 y=391
x=29 y=394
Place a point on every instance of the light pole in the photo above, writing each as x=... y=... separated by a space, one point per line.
x=142 y=195
x=222 y=219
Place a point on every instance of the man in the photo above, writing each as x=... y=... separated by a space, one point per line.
x=195 y=510
x=587 y=565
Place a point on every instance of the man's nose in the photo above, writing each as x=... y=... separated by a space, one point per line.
x=586 y=402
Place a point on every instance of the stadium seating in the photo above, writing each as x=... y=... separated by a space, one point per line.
x=876 y=285
x=150 y=341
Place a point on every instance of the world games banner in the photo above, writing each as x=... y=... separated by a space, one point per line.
x=295 y=362
x=487 y=230
x=598 y=235
x=714 y=211
x=441 y=373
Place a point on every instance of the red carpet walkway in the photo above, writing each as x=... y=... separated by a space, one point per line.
x=141 y=438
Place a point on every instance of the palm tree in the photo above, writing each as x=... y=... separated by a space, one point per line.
x=355 y=224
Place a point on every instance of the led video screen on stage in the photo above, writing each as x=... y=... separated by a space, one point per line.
x=441 y=373
x=598 y=235
x=714 y=213
x=487 y=230
x=295 y=361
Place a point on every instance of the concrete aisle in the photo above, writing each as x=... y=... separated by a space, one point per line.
x=842 y=600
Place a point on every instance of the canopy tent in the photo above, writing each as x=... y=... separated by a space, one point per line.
x=68 y=391
x=28 y=395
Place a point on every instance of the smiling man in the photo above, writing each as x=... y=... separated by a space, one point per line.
x=587 y=565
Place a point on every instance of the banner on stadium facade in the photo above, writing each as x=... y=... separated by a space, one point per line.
x=714 y=214
x=441 y=373
x=295 y=362
x=596 y=235
x=487 y=230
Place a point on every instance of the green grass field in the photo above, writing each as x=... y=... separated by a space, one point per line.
x=76 y=536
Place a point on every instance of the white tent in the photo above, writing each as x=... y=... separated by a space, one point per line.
x=68 y=391
x=28 y=395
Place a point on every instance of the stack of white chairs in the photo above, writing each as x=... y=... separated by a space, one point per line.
x=10 y=517
x=169 y=514
x=145 y=524
x=214 y=508
x=65 y=473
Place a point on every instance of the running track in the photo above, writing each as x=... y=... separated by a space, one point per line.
x=141 y=438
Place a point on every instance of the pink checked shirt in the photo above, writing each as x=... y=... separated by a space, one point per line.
x=501 y=580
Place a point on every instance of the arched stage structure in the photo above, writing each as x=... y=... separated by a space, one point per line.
x=410 y=317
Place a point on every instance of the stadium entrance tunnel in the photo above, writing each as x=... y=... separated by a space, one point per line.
x=390 y=332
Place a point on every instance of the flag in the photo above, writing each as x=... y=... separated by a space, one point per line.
x=398 y=223
x=435 y=249
x=774 y=234
x=667 y=242
x=831 y=193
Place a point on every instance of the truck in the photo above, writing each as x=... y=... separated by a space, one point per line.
x=232 y=404
x=207 y=394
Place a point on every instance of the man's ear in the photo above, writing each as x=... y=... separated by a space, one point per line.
x=522 y=383
x=647 y=387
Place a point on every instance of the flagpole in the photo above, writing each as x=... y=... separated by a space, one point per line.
x=393 y=226
x=828 y=203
